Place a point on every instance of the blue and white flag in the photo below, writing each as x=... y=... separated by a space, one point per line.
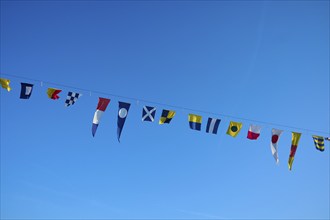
x=212 y=125
x=148 y=113
x=122 y=114
x=26 y=90
x=71 y=98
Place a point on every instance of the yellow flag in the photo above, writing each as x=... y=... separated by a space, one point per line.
x=294 y=146
x=5 y=84
x=234 y=128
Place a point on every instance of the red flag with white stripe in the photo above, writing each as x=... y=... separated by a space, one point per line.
x=254 y=132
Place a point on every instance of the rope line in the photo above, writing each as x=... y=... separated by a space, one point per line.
x=163 y=104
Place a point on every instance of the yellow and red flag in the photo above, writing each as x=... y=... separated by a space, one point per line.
x=294 y=146
x=53 y=93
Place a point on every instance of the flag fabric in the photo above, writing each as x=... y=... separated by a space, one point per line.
x=5 y=83
x=166 y=117
x=294 y=146
x=72 y=98
x=195 y=121
x=122 y=115
x=212 y=125
x=273 y=143
x=254 y=132
x=100 y=109
x=234 y=128
x=148 y=113
x=319 y=142
x=26 y=90
x=53 y=93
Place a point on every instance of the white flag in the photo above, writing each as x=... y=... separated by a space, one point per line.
x=273 y=143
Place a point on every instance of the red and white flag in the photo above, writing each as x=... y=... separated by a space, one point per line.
x=254 y=132
x=100 y=109
x=273 y=143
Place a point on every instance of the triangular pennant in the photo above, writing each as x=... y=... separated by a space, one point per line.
x=122 y=114
x=273 y=143
x=100 y=109
x=294 y=146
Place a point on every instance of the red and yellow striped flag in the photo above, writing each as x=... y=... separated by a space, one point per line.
x=294 y=146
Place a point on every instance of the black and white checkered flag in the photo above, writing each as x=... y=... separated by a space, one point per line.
x=71 y=98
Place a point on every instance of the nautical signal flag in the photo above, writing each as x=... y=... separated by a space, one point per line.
x=148 y=113
x=122 y=114
x=53 y=93
x=195 y=121
x=72 y=98
x=212 y=125
x=26 y=90
x=5 y=83
x=273 y=143
x=166 y=117
x=234 y=128
x=254 y=132
x=100 y=109
x=319 y=142
x=294 y=146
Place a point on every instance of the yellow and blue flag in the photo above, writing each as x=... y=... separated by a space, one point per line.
x=195 y=122
x=319 y=142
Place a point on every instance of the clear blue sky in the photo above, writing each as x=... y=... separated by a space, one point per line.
x=259 y=60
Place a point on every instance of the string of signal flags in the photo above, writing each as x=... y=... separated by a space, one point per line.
x=148 y=115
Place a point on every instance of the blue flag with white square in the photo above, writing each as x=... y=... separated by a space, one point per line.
x=148 y=113
x=26 y=90
x=212 y=125
x=122 y=115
